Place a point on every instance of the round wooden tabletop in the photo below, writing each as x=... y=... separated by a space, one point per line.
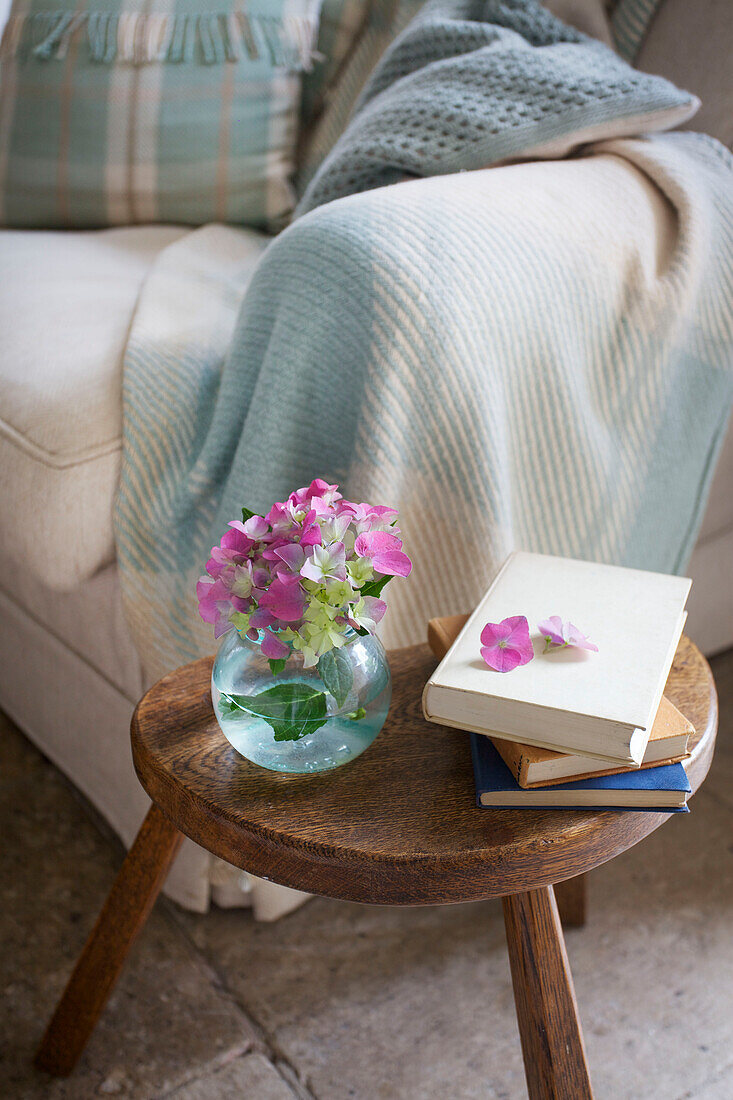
x=399 y=825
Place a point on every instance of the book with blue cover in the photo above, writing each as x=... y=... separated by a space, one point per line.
x=662 y=790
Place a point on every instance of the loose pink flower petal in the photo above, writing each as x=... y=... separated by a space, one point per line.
x=507 y=644
x=551 y=630
x=579 y=640
x=559 y=634
x=493 y=633
x=501 y=660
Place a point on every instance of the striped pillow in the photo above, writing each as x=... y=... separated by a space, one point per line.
x=186 y=111
x=342 y=24
x=630 y=21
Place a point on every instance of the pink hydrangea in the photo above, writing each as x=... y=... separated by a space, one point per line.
x=305 y=573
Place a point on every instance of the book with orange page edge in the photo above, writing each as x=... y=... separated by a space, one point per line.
x=535 y=767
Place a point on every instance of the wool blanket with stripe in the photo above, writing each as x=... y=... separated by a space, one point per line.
x=533 y=356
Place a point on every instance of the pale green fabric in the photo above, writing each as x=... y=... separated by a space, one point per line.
x=185 y=113
x=630 y=21
x=329 y=101
x=341 y=26
x=470 y=83
x=535 y=355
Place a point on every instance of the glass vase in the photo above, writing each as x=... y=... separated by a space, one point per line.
x=296 y=719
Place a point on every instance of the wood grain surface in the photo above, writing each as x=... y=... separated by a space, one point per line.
x=555 y=1063
x=399 y=825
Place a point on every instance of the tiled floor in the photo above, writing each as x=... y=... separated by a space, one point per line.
x=340 y=1001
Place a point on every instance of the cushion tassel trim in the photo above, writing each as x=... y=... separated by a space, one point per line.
x=140 y=39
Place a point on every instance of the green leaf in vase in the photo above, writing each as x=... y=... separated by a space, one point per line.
x=292 y=709
x=277 y=664
x=334 y=668
x=374 y=588
x=228 y=707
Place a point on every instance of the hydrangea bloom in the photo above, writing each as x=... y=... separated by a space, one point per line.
x=305 y=574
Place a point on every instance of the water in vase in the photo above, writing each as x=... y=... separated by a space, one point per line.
x=343 y=731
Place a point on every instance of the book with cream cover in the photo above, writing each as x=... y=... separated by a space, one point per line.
x=532 y=767
x=600 y=704
x=663 y=789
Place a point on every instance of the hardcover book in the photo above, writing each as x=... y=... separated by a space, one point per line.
x=533 y=767
x=663 y=789
x=600 y=705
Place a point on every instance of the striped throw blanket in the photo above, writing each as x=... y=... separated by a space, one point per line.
x=533 y=355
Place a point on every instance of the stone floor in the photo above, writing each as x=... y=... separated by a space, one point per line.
x=341 y=1001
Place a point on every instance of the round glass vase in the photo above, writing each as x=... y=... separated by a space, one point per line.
x=291 y=720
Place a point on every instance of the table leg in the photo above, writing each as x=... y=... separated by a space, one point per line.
x=571 y=896
x=552 y=1040
x=123 y=916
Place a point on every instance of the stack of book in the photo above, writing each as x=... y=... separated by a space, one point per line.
x=572 y=728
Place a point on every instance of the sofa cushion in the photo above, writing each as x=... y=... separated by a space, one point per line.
x=182 y=113
x=65 y=310
x=719 y=511
x=692 y=45
x=89 y=620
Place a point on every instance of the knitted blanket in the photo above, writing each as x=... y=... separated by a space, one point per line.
x=536 y=355
x=471 y=83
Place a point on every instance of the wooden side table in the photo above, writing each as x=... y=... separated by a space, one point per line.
x=398 y=826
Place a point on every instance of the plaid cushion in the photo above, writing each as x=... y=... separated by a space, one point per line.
x=185 y=112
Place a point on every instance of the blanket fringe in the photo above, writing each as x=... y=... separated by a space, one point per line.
x=140 y=39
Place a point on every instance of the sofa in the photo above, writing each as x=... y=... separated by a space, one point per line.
x=70 y=674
